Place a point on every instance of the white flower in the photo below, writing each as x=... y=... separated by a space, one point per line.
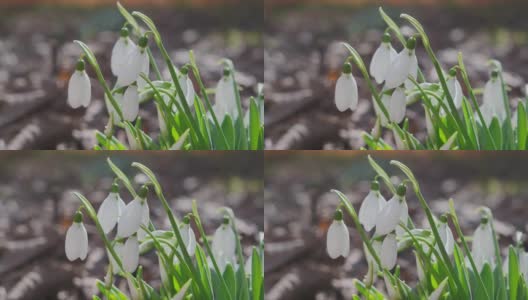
x=110 y=210
x=371 y=207
x=132 y=216
x=346 y=90
x=135 y=62
x=222 y=261
x=482 y=248
x=225 y=96
x=376 y=245
x=120 y=51
x=391 y=289
x=79 y=87
x=130 y=103
x=397 y=105
x=224 y=240
x=337 y=238
x=403 y=65
x=145 y=69
x=455 y=90
x=408 y=84
x=248 y=266
x=187 y=87
x=389 y=252
x=189 y=239
x=446 y=236
x=493 y=97
x=381 y=59
x=118 y=248
x=130 y=254
x=391 y=213
x=404 y=218
x=145 y=220
x=76 y=243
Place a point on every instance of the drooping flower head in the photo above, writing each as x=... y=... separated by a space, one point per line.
x=224 y=240
x=454 y=88
x=346 y=91
x=189 y=239
x=130 y=254
x=225 y=98
x=493 y=103
x=136 y=62
x=389 y=251
x=371 y=207
x=130 y=105
x=482 y=248
x=403 y=65
x=120 y=51
x=382 y=58
x=132 y=216
x=76 y=243
x=337 y=238
x=79 y=87
x=111 y=209
x=392 y=213
x=187 y=86
x=446 y=235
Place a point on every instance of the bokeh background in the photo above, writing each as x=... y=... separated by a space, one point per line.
x=37 y=56
x=304 y=57
x=37 y=205
x=299 y=208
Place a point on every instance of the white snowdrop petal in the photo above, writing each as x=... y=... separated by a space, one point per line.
x=224 y=241
x=130 y=219
x=119 y=53
x=131 y=103
x=130 y=70
x=225 y=96
x=145 y=220
x=389 y=216
x=337 y=240
x=391 y=290
x=346 y=93
x=397 y=105
x=118 y=248
x=131 y=254
x=404 y=217
x=399 y=69
x=380 y=60
x=189 y=91
x=109 y=211
x=389 y=252
x=455 y=90
x=71 y=243
x=369 y=210
x=79 y=90
x=189 y=239
x=145 y=69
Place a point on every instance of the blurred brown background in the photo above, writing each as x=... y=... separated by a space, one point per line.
x=37 y=205
x=299 y=208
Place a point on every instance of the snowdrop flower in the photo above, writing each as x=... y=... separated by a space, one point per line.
x=224 y=240
x=130 y=254
x=371 y=207
x=493 y=97
x=132 y=216
x=337 y=238
x=446 y=236
x=454 y=88
x=135 y=62
x=346 y=90
x=222 y=261
x=404 y=219
x=390 y=215
x=482 y=248
x=397 y=105
x=76 y=244
x=79 y=87
x=187 y=86
x=382 y=58
x=145 y=69
x=189 y=239
x=225 y=96
x=403 y=65
x=120 y=51
x=389 y=252
x=145 y=220
x=110 y=210
x=131 y=103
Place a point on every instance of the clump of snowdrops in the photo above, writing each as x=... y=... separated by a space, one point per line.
x=191 y=266
x=446 y=267
x=187 y=119
x=454 y=117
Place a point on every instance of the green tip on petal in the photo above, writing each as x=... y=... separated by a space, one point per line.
x=80 y=65
x=78 y=217
x=374 y=185
x=338 y=215
x=453 y=72
x=124 y=32
x=494 y=74
x=115 y=187
x=401 y=190
x=411 y=43
x=484 y=220
x=185 y=70
x=143 y=192
x=186 y=220
x=443 y=218
x=143 y=41
x=225 y=220
x=386 y=38
x=347 y=68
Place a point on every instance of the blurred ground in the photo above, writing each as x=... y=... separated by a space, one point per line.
x=304 y=57
x=37 y=205
x=37 y=56
x=299 y=208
